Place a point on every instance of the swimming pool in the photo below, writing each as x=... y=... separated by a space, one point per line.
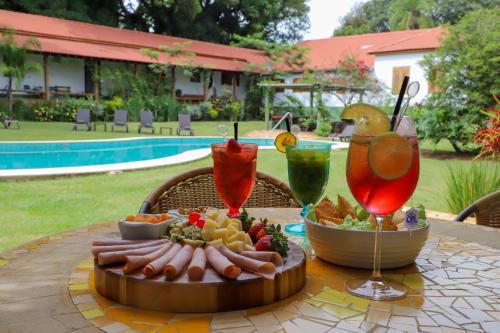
x=87 y=156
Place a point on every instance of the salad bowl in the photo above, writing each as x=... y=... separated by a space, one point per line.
x=354 y=248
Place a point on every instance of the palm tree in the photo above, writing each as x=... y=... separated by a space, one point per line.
x=410 y=14
x=14 y=64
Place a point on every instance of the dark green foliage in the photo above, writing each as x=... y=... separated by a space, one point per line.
x=466 y=69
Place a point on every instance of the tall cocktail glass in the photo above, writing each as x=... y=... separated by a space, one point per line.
x=382 y=173
x=234 y=173
x=308 y=171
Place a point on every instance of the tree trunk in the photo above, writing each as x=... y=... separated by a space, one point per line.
x=414 y=21
x=9 y=98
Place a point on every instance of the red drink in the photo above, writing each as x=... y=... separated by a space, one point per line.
x=377 y=195
x=234 y=173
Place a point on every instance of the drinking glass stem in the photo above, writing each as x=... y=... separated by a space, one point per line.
x=304 y=212
x=233 y=212
x=376 y=276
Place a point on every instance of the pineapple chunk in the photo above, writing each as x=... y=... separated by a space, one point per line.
x=249 y=247
x=236 y=246
x=231 y=230
x=213 y=214
x=208 y=229
x=236 y=223
x=239 y=236
x=216 y=243
x=248 y=239
x=219 y=233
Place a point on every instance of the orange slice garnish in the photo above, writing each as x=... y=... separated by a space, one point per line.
x=390 y=155
x=285 y=139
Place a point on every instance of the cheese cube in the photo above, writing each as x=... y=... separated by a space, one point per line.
x=236 y=246
x=208 y=229
x=213 y=214
x=222 y=221
x=231 y=230
x=219 y=233
x=236 y=223
x=216 y=243
x=239 y=236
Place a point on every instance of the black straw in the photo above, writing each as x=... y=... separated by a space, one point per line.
x=401 y=96
x=236 y=131
x=287 y=122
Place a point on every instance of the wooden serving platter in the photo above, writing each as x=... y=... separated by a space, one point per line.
x=213 y=294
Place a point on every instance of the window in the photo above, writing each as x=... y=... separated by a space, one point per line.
x=398 y=73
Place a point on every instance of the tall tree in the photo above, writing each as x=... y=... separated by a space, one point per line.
x=410 y=14
x=218 y=20
x=451 y=11
x=92 y=11
x=371 y=16
x=14 y=65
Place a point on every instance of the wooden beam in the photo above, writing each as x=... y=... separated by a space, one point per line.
x=97 y=72
x=136 y=70
x=46 y=76
x=233 y=85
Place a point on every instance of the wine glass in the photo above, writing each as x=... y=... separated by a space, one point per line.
x=382 y=173
x=234 y=173
x=308 y=170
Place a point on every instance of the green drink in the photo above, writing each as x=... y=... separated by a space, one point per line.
x=308 y=171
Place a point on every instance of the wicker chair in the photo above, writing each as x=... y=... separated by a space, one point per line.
x=486 y=209
x=196 y=188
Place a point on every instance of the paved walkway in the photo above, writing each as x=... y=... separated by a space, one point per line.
x=47 y=286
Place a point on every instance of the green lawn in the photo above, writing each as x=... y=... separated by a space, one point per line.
x=35 y=208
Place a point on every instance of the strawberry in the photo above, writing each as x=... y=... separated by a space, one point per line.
x=275 y=240
x=194 y=217
x=263 y=243
x=233 y=146
x=261 y=233
x=254 y=229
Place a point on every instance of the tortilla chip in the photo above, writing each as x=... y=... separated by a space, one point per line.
x=326 y=210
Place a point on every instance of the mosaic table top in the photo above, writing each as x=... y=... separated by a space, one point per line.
x=454 y=286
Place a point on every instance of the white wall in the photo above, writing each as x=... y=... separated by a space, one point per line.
x=63 y=71
x=385 y=63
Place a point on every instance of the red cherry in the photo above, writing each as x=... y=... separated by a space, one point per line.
x=201 y=223
x=194 y=217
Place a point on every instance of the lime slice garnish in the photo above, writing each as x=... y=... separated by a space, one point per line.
x=370 y=120
x=390 y=155
x=285 y=139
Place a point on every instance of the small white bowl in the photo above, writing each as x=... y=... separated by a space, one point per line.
x=144 y=230
x=354 y=248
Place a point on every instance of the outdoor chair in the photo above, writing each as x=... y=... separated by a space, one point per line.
x=185 y=124
x=486 y=210
x=196 y=188
x=82 y=118
x=9 y=120
x=120 y=120
x=345 y=135
x=146 y=118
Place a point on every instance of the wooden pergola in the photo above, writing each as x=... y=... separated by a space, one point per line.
x=310 y=87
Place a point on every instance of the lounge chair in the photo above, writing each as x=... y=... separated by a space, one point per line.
x=9 y=120
x=345 y=135
x=196 y=188
x=82 y=118
x=120 y=120
x=185 y=124
x=486 y=210
x=146 y=121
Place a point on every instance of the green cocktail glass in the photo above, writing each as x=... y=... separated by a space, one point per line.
x=308 y=171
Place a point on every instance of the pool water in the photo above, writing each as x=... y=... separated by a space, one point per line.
x=30 y=155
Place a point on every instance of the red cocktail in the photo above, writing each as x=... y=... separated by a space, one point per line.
x=377 y=195
x=234 y=173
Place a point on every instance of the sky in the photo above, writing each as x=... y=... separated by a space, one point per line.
x=325 y=15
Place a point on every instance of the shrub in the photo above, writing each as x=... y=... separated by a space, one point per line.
x=464 y=185
x=45 y=112
x=226 y=108
x=134 y=105
x=488 y=136
x=111 y=105
x=323 y=129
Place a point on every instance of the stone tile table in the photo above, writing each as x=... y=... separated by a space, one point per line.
x=47 y=286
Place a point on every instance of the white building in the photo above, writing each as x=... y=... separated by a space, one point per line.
x=71 y=51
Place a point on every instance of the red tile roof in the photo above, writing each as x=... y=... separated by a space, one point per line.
x=326 y=53
x=66 y=37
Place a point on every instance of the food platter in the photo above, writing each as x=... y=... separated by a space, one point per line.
x=212 y=294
